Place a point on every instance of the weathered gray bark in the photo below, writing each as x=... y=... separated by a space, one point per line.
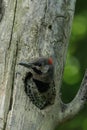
x=33 y=28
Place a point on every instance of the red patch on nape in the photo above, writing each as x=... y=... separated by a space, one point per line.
x=50 y=61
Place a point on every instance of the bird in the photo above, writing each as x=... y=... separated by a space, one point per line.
x=42 y=68
x=39 y=81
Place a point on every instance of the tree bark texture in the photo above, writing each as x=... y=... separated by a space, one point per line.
x=29 y=29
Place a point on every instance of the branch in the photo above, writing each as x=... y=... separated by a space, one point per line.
x=69 y=110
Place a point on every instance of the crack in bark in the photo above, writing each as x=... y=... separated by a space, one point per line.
x=13 y=66
x=4 y=126
x=12 y=89
x=13 y=25
x=2 y=9
x=10 y=41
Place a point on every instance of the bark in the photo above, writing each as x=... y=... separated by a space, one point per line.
x=29 y=29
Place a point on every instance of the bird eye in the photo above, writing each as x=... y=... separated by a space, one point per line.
x=37 y=64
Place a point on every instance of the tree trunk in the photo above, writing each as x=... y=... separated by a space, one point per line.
x=29 y=29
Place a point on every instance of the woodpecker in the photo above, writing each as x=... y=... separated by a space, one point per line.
x=41 y=74
x=42 y=69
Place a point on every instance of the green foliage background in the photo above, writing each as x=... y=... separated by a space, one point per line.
x=75 y=66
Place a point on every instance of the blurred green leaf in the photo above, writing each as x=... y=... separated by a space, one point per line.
x=72 y=71
x=79 y=26
x=85 y=124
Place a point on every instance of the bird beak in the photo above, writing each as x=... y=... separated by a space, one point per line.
x=25 y=64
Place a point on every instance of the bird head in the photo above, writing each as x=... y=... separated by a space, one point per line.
x=42 y=64
x=42 y=68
